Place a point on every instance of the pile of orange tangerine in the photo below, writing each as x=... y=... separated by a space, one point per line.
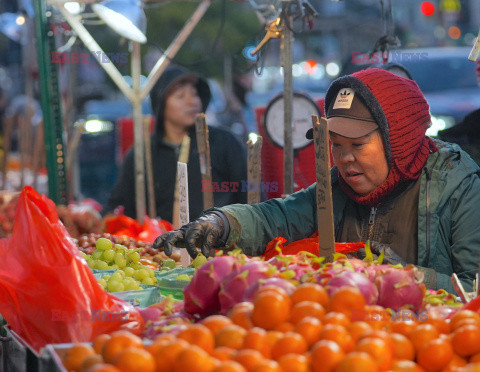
x=304 y=331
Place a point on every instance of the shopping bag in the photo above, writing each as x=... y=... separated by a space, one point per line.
x=48 y=294
x=153 y=228
x=275 y=247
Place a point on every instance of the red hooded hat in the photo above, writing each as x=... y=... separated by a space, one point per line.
x=402 y=115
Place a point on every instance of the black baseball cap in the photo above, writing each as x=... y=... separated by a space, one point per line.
x=348 y=116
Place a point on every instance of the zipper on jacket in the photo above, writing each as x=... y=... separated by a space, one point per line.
x=427 y=200
x=371 y=222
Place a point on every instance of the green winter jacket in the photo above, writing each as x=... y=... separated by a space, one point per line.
x=448 y=217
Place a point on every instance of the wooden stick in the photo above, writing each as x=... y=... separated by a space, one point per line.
x=183 y=210
x=473 y=56
x=204 y=155
x=326 y=234
x=182 y=158
x=22 y=127
x=254 y=147
x=72 y=145
x=7 y=145
x=152 y=206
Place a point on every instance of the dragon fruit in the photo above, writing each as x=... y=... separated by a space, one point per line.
x=278 y=282
x=201 y=294
x=235 y=285
x=373 y=271
x=353 y=279
x=401 y=288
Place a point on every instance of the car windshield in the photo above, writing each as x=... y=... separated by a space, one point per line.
x=443 y=73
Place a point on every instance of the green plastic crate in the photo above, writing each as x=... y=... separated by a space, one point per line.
x=169 y=285
x=177 y=271
x=145 y=297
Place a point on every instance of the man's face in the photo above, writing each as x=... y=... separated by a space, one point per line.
x=182 y=105
x=362 y=161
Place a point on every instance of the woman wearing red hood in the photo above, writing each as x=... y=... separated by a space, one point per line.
x=391 y=184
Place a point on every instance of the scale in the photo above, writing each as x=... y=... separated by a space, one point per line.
x=303 y=109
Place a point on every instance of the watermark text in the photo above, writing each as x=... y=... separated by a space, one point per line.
x=74 y=57
x=395 y=57
x=243 y=186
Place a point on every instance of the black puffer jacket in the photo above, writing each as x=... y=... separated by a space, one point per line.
x=227 y=156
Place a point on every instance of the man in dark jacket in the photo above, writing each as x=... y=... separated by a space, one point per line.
x=177 y=98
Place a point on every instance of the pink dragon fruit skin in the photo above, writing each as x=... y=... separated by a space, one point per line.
x=302 y=270
x=201 y=294
x=373 y=271
x=399 y=288
x=234 y=286
x=279 y=282
x=353 y=279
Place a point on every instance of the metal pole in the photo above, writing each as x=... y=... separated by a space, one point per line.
x=52 y=113
x=286 y=49
x=173 y=48
x=93 y=47
x=138 y=134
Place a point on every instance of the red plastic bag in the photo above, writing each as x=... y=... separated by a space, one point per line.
x=153 y=228
x=148 y=232
x=122 y=225
x=307 y=245
x=48 y=294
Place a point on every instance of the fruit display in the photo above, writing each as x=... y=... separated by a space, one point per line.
x=130 y=272
x=224 y=281
x=149 y=255
x=293 y=328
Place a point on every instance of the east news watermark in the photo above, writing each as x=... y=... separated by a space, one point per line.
x=96 y=315
x=393 y=57
x=75 y=57
x=242 y=186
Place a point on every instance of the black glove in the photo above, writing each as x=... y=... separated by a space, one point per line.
x=390 y=257
x=205 y=233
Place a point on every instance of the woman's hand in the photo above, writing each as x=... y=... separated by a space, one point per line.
x=204 y=233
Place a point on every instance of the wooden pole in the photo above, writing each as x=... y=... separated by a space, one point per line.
x=204 y=155
x=254 y=147
x=72 y=145
x=286 y=50
x=7 y=145
x=152 y=206
x=182 y=158
x=326 y=231
x=473 y=56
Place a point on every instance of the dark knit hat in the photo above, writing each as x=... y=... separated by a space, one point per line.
x=402 y=115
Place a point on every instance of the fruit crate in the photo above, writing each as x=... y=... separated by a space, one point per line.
x=145 y=297
x=17 y=354
x=174 y=272
x=52 y=355
x=170 y=285
x=14 y=352
x=102 y=272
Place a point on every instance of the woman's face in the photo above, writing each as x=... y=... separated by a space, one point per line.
x=182 y=105
x=361 y=161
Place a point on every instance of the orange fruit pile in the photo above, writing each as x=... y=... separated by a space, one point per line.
x=305 y=331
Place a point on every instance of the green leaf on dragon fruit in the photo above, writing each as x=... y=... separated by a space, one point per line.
x=368 y=252
x=380 y=258
x=287 y=274
x=337 y=256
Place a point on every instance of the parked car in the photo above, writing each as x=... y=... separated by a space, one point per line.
x=446 y=77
